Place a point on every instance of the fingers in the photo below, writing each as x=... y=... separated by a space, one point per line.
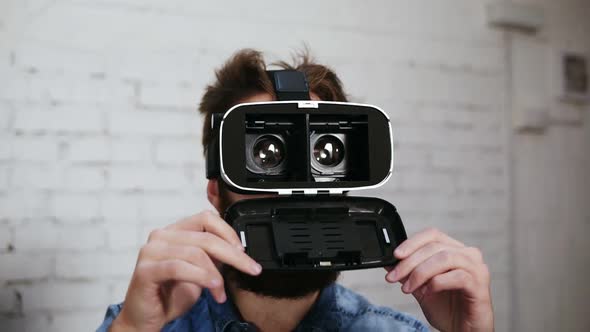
x=418 y=240
x=161 y=251
x=403 y=268
x=406 y=266
x=474 y=287
x=436 y=264
x=208 y=221
x=455 y=279
x=174 y=269
x=213 y=245
x=197 y=241
x=432 y=262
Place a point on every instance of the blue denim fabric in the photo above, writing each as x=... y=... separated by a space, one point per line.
x=337 y=309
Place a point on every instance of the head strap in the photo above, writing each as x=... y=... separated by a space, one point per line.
x=289 y=84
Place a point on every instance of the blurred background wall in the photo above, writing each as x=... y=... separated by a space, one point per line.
x=100 y=140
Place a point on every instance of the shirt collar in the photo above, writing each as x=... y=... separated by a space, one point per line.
x=222 y=314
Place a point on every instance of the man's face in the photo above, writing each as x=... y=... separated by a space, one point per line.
x=275 y=284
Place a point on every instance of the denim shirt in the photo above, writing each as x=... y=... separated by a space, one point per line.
x=336 y=309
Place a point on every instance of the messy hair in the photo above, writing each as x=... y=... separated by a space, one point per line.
x=244 y=75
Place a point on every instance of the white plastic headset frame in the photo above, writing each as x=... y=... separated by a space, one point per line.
x=306 y=191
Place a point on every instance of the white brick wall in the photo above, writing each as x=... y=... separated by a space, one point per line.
x=63 y=296
x=100 y=138
x=58 y=120
x=37 y=266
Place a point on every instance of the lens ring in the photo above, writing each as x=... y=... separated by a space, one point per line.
x=328 y=150
x=268 y=151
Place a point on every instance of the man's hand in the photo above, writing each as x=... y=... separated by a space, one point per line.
x=174 y=266
x=450 y=281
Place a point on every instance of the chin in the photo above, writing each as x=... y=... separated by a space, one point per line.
x=281 y=284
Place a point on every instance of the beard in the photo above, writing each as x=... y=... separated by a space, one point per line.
x=280 y=284
x=275 y=284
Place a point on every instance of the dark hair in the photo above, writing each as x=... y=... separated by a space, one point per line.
x=244 y=75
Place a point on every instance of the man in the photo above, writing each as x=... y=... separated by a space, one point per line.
x=193 y=275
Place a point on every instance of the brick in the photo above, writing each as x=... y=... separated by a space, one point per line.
x=34 y=149
x=410 y=156
x=122 y=236
x=175 y=96
x=37 y=177
x=6 y=111
x=8 y=300
x=484 y=202
x=133 y=178
x=77 y=208
x=6 y=238
x=51 y=59
x=437 y=137
x=5 y=148
x=455 y=159
x=427 y=181
x=464 y=221
x=457 y=114
x=49 y=236
x=13 y=323
x=39 y=236
x=88 y=150
x=356 y=73
x=456 y=213
x=5 y=55
x=81 y=238
x=20 y=204
x=154 y=123
x=485 y=183
x=94 y=89
x=179 y=152
x=131 y=150
x=71 y=295
x=159 y=71
x=36 y=321
x=430 y=85
x=439 y=54
x=76 y=321
x=60 y=119
x=18 y=266
x=399 y=112
x=120 y=207
x=173 y=207
x=96 y=265
x=4 y=177
x=91 y=178
x=14 y=86
x=450 y=56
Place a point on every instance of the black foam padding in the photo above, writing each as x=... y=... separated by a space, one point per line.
x=318 y=233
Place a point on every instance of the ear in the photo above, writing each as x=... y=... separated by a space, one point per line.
x=213 y=193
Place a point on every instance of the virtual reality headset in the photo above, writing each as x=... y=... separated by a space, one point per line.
x=308 y=147
x=309 y=153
